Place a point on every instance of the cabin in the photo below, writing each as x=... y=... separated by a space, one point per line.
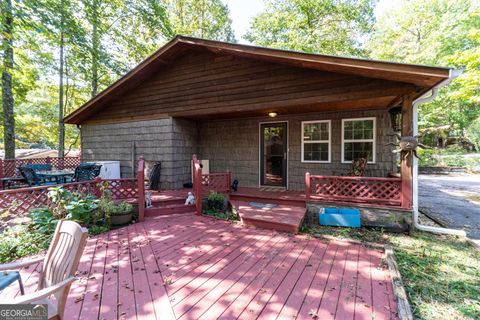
x=280 y=122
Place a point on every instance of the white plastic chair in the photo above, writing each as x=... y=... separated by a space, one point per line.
x=58 y=269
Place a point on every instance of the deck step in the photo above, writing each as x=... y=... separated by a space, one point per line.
x=267 y=199
x=168 y=209
x=281 y=217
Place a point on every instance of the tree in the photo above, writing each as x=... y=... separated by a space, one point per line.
x=320 y=26
x=209 y=19
x=7 y=91
x=436 y=32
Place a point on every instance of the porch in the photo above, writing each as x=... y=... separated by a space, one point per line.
x=195 y=267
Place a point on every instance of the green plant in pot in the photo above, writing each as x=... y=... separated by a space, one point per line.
x=119 y=212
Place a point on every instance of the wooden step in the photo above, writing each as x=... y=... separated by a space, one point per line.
x=168 y=210
x=268 y=199
x=281 y=217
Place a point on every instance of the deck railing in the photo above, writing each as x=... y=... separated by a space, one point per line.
x=367 y=190
x=204 y=184
x=8 y=168
x=20 y=201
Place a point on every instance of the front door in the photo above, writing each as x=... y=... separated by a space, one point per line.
x=273 y=154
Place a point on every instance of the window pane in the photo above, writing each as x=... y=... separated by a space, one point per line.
x=357 y=150
x=358 y=129
x=315 y=131
x=315 y=152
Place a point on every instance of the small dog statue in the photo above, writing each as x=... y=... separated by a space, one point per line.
x=190 y=199
x=148 y=199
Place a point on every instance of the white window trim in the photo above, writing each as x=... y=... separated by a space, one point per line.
x=374 y=140
x=329 y=141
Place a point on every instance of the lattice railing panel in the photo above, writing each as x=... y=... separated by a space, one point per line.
x=8 y=168
x=357 y=189
x=20 y=201
x=215 y=182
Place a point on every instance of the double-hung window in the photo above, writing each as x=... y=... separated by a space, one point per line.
x=316 y=141
x=358 y=139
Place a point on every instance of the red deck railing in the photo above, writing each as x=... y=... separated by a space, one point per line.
x=204 y=184
x=20 y=201
x=8 y=168
x=379 y=191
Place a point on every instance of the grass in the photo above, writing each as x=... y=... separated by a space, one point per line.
x=441 y=274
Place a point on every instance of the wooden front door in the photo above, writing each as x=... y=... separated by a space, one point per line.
x=273 y=154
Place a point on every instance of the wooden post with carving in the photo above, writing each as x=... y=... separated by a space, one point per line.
x=197 y=183
x=406 y=161
x=141 y=188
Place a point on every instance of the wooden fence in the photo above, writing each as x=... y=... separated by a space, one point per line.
x=367 y=190
x=8 y=168
x=204 y=184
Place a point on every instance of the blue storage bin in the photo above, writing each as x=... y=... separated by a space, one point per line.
x=340 y=217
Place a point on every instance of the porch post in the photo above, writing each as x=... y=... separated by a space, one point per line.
x=1 y=169
x=307 y=185
x=406 y=164
x=141 y=188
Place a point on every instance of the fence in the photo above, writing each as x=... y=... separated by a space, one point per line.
x=20 y=201
x=384 y=191
x=204 y=184
x=8 y=168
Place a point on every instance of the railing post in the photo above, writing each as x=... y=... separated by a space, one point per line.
x=141 y=189
x=229 y=181
x=2 y=174
x=307 y=185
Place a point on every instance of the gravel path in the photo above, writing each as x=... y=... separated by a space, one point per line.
x=453 y=200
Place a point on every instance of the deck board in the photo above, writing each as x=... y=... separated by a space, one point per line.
x=195 y=267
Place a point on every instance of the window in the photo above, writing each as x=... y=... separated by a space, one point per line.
x=358 y=139
x=316 y=141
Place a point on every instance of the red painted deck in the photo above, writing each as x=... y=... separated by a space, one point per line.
x=195 y=267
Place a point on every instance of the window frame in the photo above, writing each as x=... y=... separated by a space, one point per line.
x=329 y=141
x=373 y=140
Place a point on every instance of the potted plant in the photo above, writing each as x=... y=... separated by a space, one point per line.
x=119 y=213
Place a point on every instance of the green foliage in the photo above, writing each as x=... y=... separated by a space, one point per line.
x=473 y=133
x=112 y=209
x=321 y=26
x=217 y=206
x=449 y=157
x=21 y=241
x=436 y=32
x=216 y=201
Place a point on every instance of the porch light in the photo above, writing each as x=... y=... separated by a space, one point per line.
x=272 y=114
x=396 y=118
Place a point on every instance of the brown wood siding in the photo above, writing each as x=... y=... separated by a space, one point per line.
x=204 y=83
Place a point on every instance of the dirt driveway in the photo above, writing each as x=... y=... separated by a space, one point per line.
x=453 y=200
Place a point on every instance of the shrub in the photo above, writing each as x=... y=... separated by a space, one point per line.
x=20 y=241
x=216 y=201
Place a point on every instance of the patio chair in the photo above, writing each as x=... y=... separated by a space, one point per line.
x=32 y=178
x=86 y=172
x=58 y=270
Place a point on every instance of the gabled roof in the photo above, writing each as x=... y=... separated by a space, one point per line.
x=425 y=77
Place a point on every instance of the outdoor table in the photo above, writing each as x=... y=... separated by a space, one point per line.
x=60 y=176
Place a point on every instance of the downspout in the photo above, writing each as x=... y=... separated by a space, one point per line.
x=416 y=103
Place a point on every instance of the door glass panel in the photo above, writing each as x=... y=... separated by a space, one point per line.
x=274 y=154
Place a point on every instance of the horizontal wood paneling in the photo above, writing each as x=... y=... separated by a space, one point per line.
x=205 y=83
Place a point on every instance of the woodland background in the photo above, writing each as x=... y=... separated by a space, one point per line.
x=57 y=54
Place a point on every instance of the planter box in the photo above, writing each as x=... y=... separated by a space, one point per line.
x=118 y=220
x=340 y=217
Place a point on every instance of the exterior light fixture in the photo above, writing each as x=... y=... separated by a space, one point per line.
x=396 y=118
x=272 y=114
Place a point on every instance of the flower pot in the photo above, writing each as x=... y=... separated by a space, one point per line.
x=120 y=219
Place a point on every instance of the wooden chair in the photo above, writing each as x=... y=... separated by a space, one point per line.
x=58 y=270
x=358 y=167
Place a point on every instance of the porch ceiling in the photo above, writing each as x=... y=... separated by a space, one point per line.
x=289 y=108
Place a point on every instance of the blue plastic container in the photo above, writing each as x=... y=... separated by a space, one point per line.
x=340 y=217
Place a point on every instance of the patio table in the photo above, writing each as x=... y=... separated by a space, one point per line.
x=60 y=176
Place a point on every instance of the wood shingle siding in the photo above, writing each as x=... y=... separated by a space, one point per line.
x=200 y=84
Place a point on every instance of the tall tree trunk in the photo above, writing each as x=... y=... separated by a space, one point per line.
x=95 y=47
x=7 y=92
x=61 y=125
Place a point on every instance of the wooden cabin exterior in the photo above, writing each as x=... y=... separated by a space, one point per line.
x=216 y=100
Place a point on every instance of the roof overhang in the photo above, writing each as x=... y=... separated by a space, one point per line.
x=423 y=77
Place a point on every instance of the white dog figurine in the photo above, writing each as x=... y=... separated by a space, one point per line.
x=190 y=199
x=148 y=199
